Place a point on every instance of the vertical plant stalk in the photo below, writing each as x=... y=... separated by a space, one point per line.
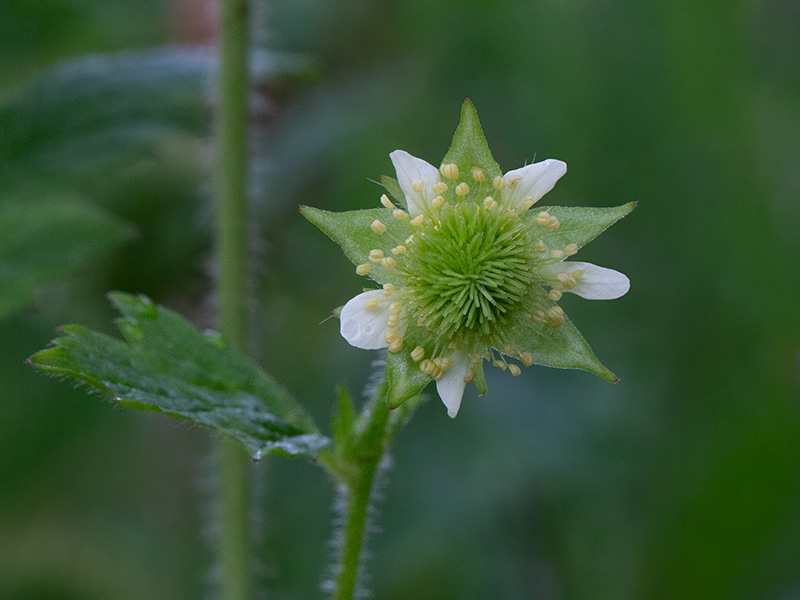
x=232 y=267
x=369 y=450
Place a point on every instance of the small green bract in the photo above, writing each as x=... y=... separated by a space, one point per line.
x=468 y=272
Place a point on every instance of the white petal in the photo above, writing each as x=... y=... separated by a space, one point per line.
x=596 y=283
x=451 y=386
x=363 y=327
x=534 y=181
x=410 y=168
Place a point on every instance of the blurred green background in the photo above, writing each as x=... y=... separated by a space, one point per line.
x=682 y=481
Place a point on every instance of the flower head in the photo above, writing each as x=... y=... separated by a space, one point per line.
x=469 y=270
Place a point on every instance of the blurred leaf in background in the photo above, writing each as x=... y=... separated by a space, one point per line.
x=682 y=481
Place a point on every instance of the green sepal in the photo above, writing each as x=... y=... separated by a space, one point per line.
x=404 y=379
x=352 y=231
x=562 y=347
x=393 y=187
x=578 y=225
x=480 y=377
x=166 y=365
x=469 y=148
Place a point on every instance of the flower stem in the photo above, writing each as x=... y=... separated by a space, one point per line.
x=231 y=254
x=359 y=486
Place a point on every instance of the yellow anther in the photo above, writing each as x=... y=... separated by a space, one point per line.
x=555 y=316
x=372 y=303
x=577 y=274
x=477 y=174
x=399 y=250
x=396 y=345
x=393 y=321
x=399 y=214
x=363 y=269
x=437 y=374
x=426 y=366
x=499 y=183
x=388 y=289
x=571 y=249
x=462 y=189
x=553 y=223
x=388 y=263
x=437 y=202
x=515 y=370
x=568 y=281
x=555 y=295
x=537 y=316
x=444 y=363
x=500 y=365
x=543 y=218
x=513 y=181
x=540 y=247
x=418 y=185
x=440 y=187
x=450 y=170
x=490 y=203
x=391 y=335
x=509 y=349
x=470 y=376
x=417 y=354
x=511 y=214
x=475 y=358
x=386 y=202
x=526 y=359
x=396 y=307
x=378 y=227
x=416 y=221
x=528 y=202
x=375 y=255
x=421 y=322
x=557 y=254
x=409 y=239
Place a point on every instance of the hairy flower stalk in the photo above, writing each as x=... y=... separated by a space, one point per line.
x=469 y=271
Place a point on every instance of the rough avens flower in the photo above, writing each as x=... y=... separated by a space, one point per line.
x=469 y=270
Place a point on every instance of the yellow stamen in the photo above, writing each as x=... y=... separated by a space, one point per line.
x=537 y=316
x=528 y=202
x=417 y=185
x=515 y=370
x=470 y=376
x=437 y=202
x=363 y=269
x=555 y=316
x=499 y=183
x=543 y=218
x=399 y=250
x=396 y=345
x=393 y=321
x=526 y=359
x=555 y=295
x=462 y=189
x=396 y=307
x=378 y=227
x=557 y=254
x=391 y=335
x=513 y=181
x=399 y=214
x=388 y=262
x=571 y=249
x=416 y=221
x=372 y=303
x=417 y=354
x=386 y=202
x=490 y=203
x=477 y=174
x=440 y=187
x=540 y=247
x=375 y=255
x=388 y=289
x=553 y=224
x=450 y=170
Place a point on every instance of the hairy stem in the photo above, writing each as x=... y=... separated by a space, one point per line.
x=368 y=452
x=231 y=249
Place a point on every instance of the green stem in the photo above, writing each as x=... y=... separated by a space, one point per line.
x=369 y=450
x=231 y=249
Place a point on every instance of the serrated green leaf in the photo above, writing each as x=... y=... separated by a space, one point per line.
x=393 y=187
x=352 y=231
x=562 y=347
x=469 y=148
x=166 y=365
x=578 y=225
x=45 y=240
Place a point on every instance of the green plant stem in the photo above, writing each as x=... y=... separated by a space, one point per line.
x=368 y=453
x=231 y=249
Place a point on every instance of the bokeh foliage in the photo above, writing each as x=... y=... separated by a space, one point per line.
x=681 y=481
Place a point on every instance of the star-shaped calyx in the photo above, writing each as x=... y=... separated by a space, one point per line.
x=468 y=270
